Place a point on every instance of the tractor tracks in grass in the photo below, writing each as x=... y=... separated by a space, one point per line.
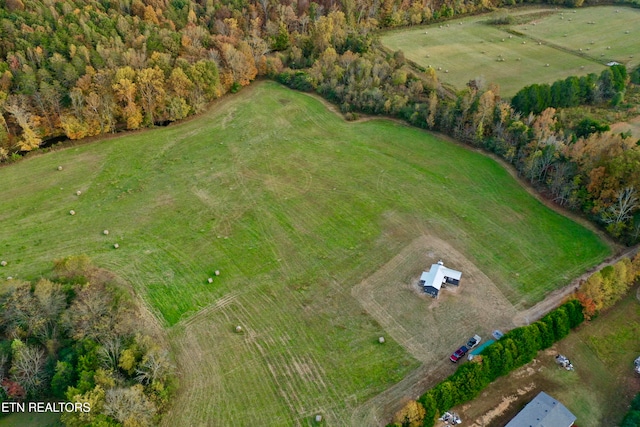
x=547 y=43
x=380 y=409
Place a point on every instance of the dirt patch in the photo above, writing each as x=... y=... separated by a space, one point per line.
x=423 y=325
x=502 y=407
x=632 y=126
x=429 y=329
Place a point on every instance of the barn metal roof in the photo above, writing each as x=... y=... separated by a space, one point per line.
x=543 y=411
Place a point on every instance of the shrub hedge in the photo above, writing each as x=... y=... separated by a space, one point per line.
x=515 y=349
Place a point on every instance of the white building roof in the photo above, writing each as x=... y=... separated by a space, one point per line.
x=436 y=274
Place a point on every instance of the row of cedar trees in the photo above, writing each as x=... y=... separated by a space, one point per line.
x=78 y=338
x=82 y=68
x=632 y=419
x=515 y=349
x=519 y=346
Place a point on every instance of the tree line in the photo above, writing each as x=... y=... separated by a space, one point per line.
x=585 y=168
x=573 y=91
x=78 y=337
x=604 y=288
x=632 y=418
x=515 y=349
x=520 y=345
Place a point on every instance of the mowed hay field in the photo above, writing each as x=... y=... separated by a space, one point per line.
x=515 y=56
x=294 y=207
x=603 y=33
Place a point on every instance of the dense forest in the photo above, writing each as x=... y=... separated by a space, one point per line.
x=80 y=68
x=80 y=337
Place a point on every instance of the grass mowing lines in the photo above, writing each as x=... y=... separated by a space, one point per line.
x=212 y=200
x=293 y=222
x=603 y=33
x=474 y=49
x=295 y=371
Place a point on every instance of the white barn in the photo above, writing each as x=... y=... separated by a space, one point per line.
x=438 y=275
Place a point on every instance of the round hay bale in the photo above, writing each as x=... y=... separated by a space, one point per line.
x=116 y=246
x=502 y=39
x=3 y=263
x=580 y=49
x=381 y=340
x=459 y=23
x=608 y=47
x=105 y=232
x=539 y=43
x=72 y=212
x=510 y=36
x=9 y=278
x=210 y=280
x=439 y=68
x=446 y=71
x=217 y=272
x=78 y=193
x=524 y=42
x=318 y=418
x=626 y=32
x=59 y=168
x=238 y=328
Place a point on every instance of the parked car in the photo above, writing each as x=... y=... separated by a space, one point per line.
x=473 y=342
x=497 y=334
x=459 y=353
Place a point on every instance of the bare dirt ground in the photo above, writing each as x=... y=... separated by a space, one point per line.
x=632 y=125
x=424 y=326
x=391 y=295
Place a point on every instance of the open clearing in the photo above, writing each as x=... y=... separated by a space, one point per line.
x=294 y=207
x=597 y=392
x=511 y=55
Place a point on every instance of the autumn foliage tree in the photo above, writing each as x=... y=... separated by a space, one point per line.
x=78 y=336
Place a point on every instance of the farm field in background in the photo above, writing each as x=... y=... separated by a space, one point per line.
x=511 y=56
x=294 y=207
x=597 y=392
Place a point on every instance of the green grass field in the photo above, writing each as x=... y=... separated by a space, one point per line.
x=600 y=388
x=294 y=207
x=31 y=420
x=468 y=48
